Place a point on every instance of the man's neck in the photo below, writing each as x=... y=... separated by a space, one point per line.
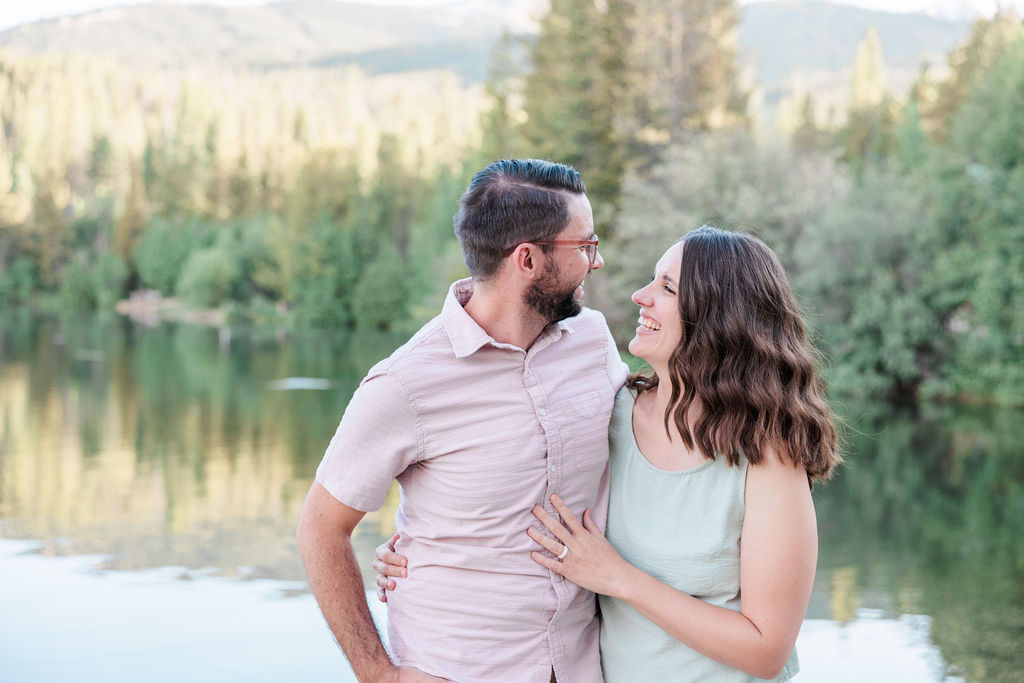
x=504 y=316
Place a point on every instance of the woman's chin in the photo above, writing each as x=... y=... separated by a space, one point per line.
x=636 y=347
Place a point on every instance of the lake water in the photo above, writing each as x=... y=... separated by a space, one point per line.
x=150 y=480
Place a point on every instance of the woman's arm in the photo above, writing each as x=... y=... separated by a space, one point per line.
x=778 y=554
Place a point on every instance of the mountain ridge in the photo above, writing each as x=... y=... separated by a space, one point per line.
x=780 y=38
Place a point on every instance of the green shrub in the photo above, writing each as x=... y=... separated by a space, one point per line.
x=381 y=297
x=93 y=286
x=17 y=285
x=208 y=277
x=76 y=289
x=325 y=272
x=108 y=275
x=164 y=248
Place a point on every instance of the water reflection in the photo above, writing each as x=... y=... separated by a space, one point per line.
x=924 y=520
x=172 y=446
x=163 y=447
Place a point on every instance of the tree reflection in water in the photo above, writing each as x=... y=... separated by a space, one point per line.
x=162 y=447
x=924 y=519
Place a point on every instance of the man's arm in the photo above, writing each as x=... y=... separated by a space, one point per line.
x=325 y=542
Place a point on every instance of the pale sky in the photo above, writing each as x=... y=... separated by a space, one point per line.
x=13 y=13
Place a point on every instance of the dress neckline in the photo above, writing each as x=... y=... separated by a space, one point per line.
x=636 y=448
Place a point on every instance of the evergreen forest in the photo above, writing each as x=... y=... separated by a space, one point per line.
x=323 y=197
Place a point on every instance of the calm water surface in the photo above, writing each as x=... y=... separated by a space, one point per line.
x=150 y=479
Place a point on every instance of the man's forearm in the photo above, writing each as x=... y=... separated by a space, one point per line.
x=338 y=587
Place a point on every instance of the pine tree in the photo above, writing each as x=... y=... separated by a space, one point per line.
x=610 y=84
x=101 y=163
x=132 y=221
x=561 y=83
x=613 y=82
x=868 y=83
x=988 y=41
x=684 y=58
x=808 y=135
x=48 y=232
x=241 y=194
x=870 y=118
x=502 y=139
x=572 y=95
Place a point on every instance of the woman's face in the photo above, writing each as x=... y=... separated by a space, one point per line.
x=660 y=328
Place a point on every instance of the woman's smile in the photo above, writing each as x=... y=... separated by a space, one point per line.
x=647 y=324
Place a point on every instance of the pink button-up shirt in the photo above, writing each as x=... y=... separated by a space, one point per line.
x=477 y=432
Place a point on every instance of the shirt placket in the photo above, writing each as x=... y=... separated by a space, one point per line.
x=555 y=457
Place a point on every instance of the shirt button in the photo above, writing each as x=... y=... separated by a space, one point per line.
x=554 y=468
x=553 y=627
x=543 y=411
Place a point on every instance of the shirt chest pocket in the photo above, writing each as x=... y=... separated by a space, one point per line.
x=584 y=418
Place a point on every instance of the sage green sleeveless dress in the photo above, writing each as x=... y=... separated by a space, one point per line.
x=683 y=528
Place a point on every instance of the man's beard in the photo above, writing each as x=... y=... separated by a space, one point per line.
x=547 y=297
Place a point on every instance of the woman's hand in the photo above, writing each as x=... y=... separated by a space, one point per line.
x=591 y=561
x=388 y=563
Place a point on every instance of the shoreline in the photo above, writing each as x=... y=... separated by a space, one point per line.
x=149 y=308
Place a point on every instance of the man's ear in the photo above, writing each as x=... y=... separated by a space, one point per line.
x=526 y=260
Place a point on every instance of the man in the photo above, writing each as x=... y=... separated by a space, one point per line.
x=494 y=405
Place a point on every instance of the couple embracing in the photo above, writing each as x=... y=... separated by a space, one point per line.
x=561 y=520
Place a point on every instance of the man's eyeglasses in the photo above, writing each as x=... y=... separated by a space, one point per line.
x=588 y=245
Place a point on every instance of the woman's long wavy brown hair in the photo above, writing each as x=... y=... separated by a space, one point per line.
x=744 y=357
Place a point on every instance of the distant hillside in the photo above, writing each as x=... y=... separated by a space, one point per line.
x=779 y=37
x=457 y=35
x=783 y=37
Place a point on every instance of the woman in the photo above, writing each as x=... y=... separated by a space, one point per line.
x=712 y=455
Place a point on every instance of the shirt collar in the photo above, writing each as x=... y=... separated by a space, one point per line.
x=467 y=336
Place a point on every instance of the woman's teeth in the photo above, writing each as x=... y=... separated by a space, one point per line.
x=649 y=324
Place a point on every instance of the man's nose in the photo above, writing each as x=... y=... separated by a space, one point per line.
x=598 y=261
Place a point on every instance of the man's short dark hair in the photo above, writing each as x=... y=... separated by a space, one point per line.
x=509 y=202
